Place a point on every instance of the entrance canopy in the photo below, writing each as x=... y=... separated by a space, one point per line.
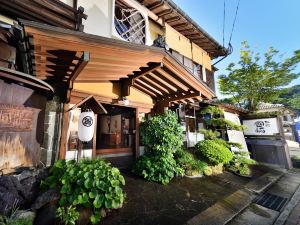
x=64 y=55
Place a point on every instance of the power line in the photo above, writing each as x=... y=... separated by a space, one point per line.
x=224 y=18
x=234 y=21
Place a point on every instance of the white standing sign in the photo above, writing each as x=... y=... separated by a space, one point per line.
x=261 y=127
x=235 y=135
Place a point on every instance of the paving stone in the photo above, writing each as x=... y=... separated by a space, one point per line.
x=255 y=215
x=223 y=210
x=260 y=184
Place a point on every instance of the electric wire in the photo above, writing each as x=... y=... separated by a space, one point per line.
x=234 y=21
x=224 y=18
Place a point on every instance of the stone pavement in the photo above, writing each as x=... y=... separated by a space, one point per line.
x=227 y=209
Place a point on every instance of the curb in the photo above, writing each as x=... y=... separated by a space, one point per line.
x=281 y=219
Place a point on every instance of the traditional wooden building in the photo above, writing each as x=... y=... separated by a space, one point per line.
x=135 y=57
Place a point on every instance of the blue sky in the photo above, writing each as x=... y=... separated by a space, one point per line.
x=263 y=23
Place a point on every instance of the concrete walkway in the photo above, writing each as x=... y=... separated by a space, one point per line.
x=225 y=210
x=286 y=188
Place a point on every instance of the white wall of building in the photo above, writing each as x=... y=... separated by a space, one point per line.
x=100 y=19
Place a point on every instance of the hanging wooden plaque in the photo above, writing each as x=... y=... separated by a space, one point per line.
x=16 y=118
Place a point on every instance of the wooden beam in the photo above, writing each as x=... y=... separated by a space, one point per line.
x=180 y=25
x=172 y=19
x=146 y=71
x=94 y=154
x=149 y=87
x=180 y=96
x=80 y=66
x=125 y=86
x=137 y=133
x=64 y=133
x=172 y=79
x=156 y=5
x=155 y=84
x=144 y=90
x=164 y=12
x=162 y=82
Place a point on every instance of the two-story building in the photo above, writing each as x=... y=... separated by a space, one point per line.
x=136 y=57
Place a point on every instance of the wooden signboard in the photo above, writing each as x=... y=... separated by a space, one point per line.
x=16 y=118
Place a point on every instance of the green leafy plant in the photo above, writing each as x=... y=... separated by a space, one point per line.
x=240 y=163
x=13 y=221
x=188 y=162
x=153 y=168
x=162 y=136
x=68 y=215
x=225 y=124
x=214 y=152
x=209 y=134
x=210 y=109
x=91 y=184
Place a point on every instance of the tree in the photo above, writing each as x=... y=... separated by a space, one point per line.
x=257 y=80
x=290 y=97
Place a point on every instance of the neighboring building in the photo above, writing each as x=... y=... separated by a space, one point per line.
x=134 y=57
x=297 y=128
x=287 y=118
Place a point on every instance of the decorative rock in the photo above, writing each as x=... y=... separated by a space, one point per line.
x=20 y=190
x=46 y=216
x=49 y=196
x=9 y=194
x=30 y=182
x=23 y=214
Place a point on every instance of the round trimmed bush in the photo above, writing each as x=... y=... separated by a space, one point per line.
x=213 y=152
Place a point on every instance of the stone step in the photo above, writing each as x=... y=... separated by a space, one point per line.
x=262 y=183
x=224 y=210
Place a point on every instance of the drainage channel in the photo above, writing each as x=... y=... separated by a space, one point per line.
x=271 y=201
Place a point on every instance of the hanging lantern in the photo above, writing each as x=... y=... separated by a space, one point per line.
x=86 y=126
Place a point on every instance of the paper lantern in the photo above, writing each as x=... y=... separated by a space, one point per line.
x=86 y=126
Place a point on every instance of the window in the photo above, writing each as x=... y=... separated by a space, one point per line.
x=188 y=64
x=178 y=56
x=129 y=23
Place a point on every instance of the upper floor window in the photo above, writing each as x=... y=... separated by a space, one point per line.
x=129 y=23
x=190 y=65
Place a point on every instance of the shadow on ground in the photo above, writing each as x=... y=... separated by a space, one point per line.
x=152 y=203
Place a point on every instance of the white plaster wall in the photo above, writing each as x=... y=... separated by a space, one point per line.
x=100 y=17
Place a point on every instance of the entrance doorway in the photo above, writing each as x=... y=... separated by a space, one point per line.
x=116 y=131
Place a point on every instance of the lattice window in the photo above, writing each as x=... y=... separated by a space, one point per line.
x=129 y=23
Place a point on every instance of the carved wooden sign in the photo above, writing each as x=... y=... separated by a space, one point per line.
x=16 y=118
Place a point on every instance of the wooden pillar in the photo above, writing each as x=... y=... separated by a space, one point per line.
x=160 y=107
x=137 y=133
x=94 y=139
x=64 y=133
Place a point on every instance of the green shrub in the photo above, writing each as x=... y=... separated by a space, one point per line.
x=240 y=163
x=210 y=109
x=13 y=221
x=225 y=124
x=90 y=183
x=158 y=170
x=188 y=162
x=213 y=152
x=210 y=134
x=162 y=135
x=67 y=215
